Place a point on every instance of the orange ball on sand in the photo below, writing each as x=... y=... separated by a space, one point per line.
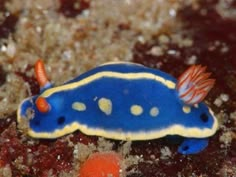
x=101 y=164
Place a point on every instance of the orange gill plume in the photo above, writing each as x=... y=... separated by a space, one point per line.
x=194 y=84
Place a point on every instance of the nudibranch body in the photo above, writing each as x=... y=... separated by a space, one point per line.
x=124 y=101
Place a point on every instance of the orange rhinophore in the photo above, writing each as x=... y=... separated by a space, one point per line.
x=40 y=74
x=42 y=105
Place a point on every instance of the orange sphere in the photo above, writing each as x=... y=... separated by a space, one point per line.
x=101 y=164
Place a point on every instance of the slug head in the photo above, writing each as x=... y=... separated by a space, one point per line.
x=46 y=116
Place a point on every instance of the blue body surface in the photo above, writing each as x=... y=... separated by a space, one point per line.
x=121 y=101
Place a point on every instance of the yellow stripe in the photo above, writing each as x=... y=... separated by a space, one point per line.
x=172 y=130
x=109 y=74
x=119 y=135
x=121 y=62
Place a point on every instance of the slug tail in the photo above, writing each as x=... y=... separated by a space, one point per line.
x=194 y=85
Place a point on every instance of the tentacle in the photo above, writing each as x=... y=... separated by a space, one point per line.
x=41 y=76
x=194 y=84
x=42 y=105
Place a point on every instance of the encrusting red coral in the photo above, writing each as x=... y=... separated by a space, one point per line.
x=101 y=164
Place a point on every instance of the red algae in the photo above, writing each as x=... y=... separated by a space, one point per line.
x=53 y=156
x=12 y=150
x=32 y=82
x=4 y=123
x=35 y=159
x=7 y=25
x=82 y=138
x=73 y=8
x=2 y=75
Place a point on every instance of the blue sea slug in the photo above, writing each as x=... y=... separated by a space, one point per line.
x=124 y=101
